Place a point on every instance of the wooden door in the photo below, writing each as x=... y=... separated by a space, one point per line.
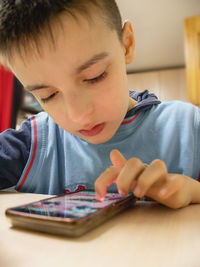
x=192 y=53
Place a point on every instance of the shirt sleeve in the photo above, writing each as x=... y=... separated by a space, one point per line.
x=14 y=152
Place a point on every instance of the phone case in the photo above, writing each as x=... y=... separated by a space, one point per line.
x=71 y=214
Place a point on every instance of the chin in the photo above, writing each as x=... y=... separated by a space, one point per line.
x=99 y=139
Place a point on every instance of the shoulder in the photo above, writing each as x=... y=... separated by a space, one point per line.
x=176 y=108
x=176 y=111
x=40 y=117
x=178 y=104
x=44 y=128
x=42 y=122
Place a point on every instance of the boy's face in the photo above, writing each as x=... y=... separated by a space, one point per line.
x=81 y=82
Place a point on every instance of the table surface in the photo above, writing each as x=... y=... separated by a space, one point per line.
x=146 y=235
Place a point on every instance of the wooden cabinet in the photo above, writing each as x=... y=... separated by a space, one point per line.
x=192 y=54
x=166 y=84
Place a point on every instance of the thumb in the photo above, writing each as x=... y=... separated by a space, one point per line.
x=118 y=160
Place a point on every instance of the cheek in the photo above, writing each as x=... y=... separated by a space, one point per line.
x=114 y=103
x=59 y=115
x=117 y=91
x=64 y=122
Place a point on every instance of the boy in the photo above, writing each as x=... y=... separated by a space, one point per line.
x=72 y=56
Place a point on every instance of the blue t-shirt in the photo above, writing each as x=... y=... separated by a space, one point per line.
x=60 y=162
x=15 y=145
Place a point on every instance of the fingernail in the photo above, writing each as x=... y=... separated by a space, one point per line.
x=99 y=198
x=121 y=192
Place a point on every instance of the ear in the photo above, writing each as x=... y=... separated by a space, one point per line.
x=128 y=42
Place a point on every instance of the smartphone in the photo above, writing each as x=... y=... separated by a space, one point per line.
x=71 y=214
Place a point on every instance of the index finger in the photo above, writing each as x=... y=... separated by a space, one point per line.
x=104 y=180
x=117 y=159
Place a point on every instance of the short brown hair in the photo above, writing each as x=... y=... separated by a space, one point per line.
x=22 y=20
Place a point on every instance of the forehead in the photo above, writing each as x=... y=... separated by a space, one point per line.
x=74 y=40
x=69 y=30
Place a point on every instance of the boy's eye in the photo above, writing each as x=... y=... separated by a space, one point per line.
x=45 y=100
x=93 y=80
x=97 y=79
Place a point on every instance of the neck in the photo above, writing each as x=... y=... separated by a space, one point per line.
x=131 y=104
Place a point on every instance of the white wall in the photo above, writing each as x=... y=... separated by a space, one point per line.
x=159 y=31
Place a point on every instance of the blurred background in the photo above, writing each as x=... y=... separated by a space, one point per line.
x=167 y=58
x=167 y=34
x=159 y=31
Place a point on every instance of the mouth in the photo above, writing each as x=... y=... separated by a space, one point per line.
x=97 y=129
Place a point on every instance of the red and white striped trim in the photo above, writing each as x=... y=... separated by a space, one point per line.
x=33 y=155
x=130 y=120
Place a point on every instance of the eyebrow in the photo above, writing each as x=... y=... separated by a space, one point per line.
x=36 y=87
x=92 y=61
x=96 y=58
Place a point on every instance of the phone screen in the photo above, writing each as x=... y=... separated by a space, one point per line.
x=73 y=206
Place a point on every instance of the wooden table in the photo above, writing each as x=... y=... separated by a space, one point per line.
x=146 y=235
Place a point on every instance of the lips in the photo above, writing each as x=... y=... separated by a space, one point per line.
x=94 y=130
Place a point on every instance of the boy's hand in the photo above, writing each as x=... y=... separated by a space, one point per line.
x=172 y=190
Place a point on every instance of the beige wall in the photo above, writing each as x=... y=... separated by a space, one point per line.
x=166 y=84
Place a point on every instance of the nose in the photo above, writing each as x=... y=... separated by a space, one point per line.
x=80 y=110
